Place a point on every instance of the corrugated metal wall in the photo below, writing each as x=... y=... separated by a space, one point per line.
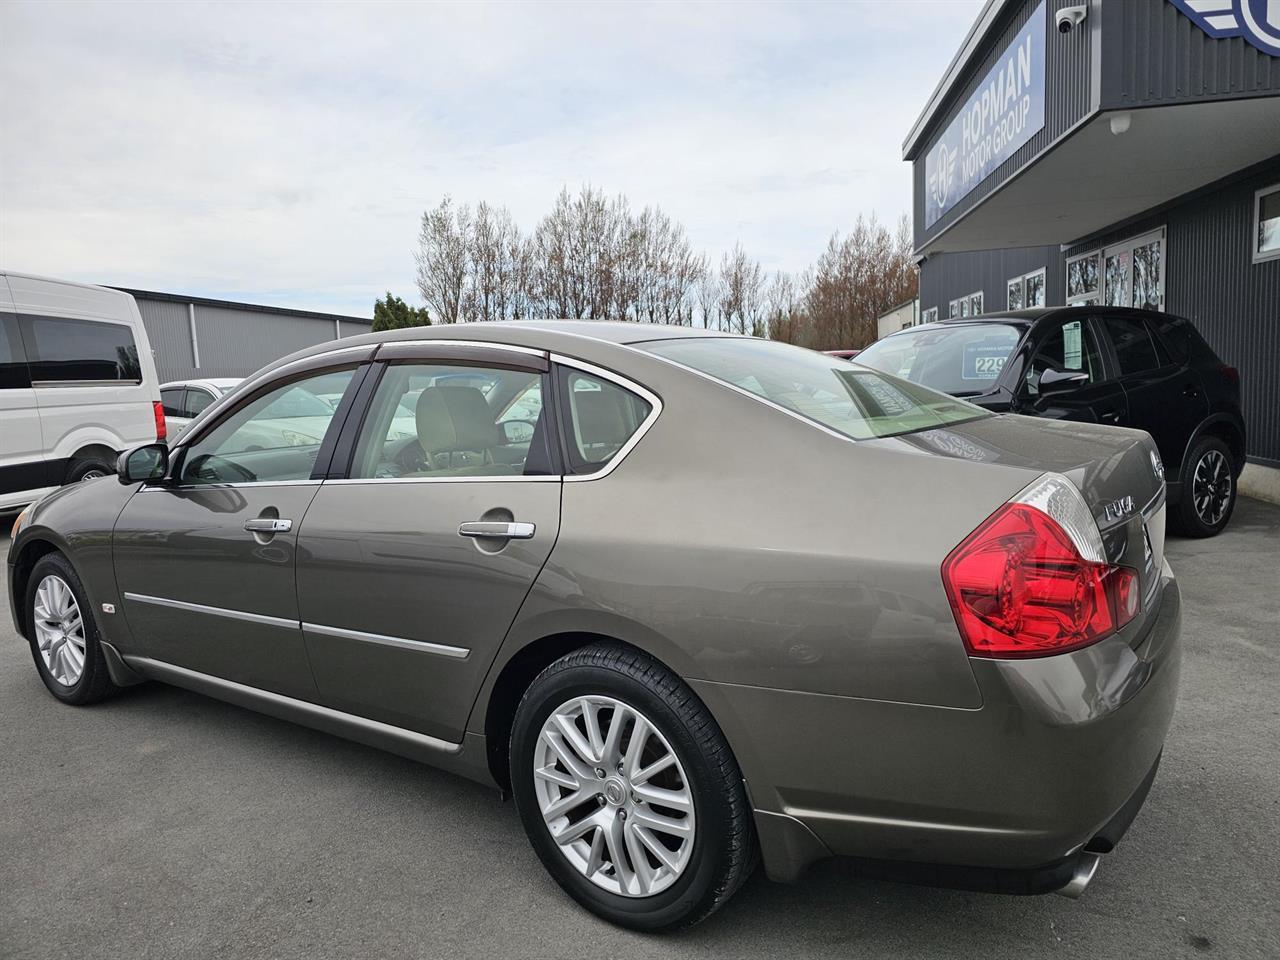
x=1067 y=101
x=1212 y=280
x=169 y=331
x=232 y=342
x=1153 y=54
x=946 y=276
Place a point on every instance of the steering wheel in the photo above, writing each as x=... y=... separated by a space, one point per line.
x=215 y=465
x=410 y=458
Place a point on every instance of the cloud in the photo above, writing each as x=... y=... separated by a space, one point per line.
x=284 y=153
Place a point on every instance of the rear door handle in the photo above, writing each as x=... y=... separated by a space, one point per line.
x=268 y=525
x=496 y=530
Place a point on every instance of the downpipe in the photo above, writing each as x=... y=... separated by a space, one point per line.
x=1086 y=869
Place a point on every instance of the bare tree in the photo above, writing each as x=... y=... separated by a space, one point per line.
x=741 y=293
x=496 y=269
x=442 y=259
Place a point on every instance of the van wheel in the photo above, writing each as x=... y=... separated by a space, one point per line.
x=628 y=790
x=64 y=634
x=1208 y=489
x=88 y=470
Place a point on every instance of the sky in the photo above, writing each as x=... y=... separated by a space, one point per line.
x=284 y=153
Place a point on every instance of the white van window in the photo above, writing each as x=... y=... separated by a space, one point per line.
x=60 y=349
x=13 y=359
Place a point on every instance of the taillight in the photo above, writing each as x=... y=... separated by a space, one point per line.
x=162 y=430
x=1031 y=581
x=1231 y=375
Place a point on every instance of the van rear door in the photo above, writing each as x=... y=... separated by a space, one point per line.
x=22 y=460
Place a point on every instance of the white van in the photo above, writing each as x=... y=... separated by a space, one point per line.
x=77 y=384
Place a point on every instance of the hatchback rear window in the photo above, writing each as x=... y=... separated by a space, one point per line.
x=964 y=360
x=859 y=402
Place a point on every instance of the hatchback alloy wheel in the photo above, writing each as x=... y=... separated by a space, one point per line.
x=1211 y=487
x=59 y=629
x=614 y=796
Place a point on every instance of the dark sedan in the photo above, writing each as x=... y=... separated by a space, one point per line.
x=1131 y=368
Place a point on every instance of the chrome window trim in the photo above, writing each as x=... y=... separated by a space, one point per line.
x=260 y=618
x=47 y=384
x=517 y=478
x=162 y=670
x=449 y=342
x=169 y=488
x=655 y=410
x=422 y=646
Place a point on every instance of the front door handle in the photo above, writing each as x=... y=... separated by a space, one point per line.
x=496 y=530
x=268 y=525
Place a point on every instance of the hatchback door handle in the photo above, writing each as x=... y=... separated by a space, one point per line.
x=268 y=525
x=496 y=530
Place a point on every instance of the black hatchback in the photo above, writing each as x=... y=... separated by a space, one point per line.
x=1132 y=368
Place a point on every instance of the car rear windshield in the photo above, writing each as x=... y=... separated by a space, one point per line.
x=962 y=360
x=839 y=394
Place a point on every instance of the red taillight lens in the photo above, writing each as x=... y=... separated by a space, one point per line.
x=162 y=430
x=1019 y=588
x=1231 y=375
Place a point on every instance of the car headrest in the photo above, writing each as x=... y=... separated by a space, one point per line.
x=601 y=417
x=450 y=419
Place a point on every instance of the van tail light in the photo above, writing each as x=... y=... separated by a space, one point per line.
x=1031 y=581
x=162 y=430
x=1231 y=375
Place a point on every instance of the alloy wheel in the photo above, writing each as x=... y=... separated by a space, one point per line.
x=59 y=630
x=614 y=796
x=92 y=474
x=1211 y=487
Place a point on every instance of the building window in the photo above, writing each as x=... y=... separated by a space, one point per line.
x=929 y=316
x=1026 y=290
x=1266 y=224
x=1082 y=280
x=969 y=305
x=975 y=303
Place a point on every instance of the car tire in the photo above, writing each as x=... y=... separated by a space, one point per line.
x=88 y=470
x=70 y=662
x=698 y=871
x=1208 y=489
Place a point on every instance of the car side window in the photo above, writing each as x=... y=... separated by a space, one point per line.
x=439 y=420
x=599 y=417
x=61 y=349
x=272 y=438
x=171 y=400
x=1069 y=346
x=1132 y=340
x=196 y=401
x=13 y=359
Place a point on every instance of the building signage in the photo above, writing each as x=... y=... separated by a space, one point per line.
x=1258 y=21
x=1002 y=114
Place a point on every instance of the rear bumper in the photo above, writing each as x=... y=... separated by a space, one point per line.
x=1058 y=759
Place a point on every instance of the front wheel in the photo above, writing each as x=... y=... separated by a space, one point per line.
x=1208 y=489
x=63 y=634
x=628 y=790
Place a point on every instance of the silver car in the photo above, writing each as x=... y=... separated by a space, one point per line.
x=693 y=600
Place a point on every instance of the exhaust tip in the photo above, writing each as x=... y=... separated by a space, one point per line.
x=1086 y=868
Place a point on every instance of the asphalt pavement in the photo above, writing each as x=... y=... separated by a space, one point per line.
x=166 y=824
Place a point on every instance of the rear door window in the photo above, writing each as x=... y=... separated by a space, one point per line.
x=1135 y=351
x=171 y=399
x=62 y=349
x=196 y=401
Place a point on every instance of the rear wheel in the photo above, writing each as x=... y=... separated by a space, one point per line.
x=63 y=634
x=1208 y=489
x=88 y=470
x=628 y=790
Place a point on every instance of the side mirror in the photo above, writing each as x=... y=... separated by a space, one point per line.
x=142 y=464
x=1054 y=381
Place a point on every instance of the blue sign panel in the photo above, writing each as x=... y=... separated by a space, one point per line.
x=1258 y=21
x=999 y=117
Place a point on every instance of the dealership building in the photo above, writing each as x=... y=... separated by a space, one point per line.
x=1115 y=152
x=196 y=338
